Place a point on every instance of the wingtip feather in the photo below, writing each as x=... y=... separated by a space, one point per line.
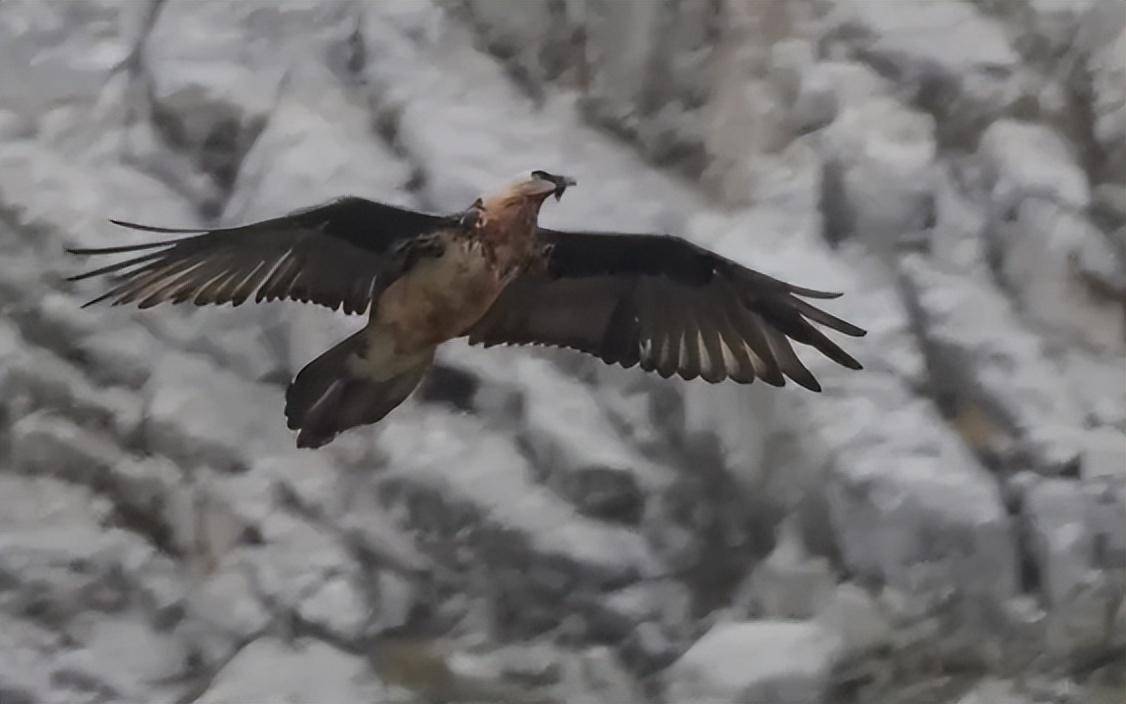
x=154 y=228
x=814 y=293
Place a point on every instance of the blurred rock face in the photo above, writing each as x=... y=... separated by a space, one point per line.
x=535 y=526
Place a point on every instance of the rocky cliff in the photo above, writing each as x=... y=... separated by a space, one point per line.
x=948 y=526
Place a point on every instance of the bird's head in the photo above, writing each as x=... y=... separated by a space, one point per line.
x=520 y=198
x=531 y=189
x=542 y=184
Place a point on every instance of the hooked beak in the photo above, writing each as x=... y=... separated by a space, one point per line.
x=561 y=183
x=554 y=184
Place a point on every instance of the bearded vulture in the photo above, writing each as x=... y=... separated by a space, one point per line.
x=489 y=273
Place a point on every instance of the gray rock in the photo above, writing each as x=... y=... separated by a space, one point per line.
x=1075 y=528
x=494 y=482
x=623 y=39
x=377 y=534
x=947 y=54
x=52 y=446
x=952 y=34
x=319 y=144
x=597 y=675
x=1026 y=159
x=853 y=83
x=25 y=662
x=300 y=559
x=983 y=357
x=817 y=102
x=881 y=153
x=66 y=195
x=1090 y=622
x=664 y=603
x=183 y=113
x=1062 y=268
x=397 y=598
x=134 y=656
x=36 y=499
x=64 y=575
x=226 y=601
x=339 y=607
x=1044 y=248
x=183 y=397
x=312 y=484
x=958 y=242
x=56 y=322
x=789 y=60
x=536 y=40
x=789 y=583
x=889 y=537
x=788 y=662
x=14 y=126
x=855 y=617
x=869 y=440
x=1104 y=454
x=1100 y=41
x=59 y=55
x=120 y=355
x=994 y=692
x=1099 y=382
x=306 y=670
x=576 y=443
x=48 y=381
x=214 y=89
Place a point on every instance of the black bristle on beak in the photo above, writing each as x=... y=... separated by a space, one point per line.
x=561 y=182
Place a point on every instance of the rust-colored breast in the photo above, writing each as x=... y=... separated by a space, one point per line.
x=507 y=228
x=442 y=297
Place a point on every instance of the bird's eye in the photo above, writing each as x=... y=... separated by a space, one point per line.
x=541 y=174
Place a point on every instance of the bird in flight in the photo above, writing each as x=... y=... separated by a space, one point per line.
x=489 y=273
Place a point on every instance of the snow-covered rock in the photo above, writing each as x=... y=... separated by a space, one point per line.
x=879 y=171
x=788 y=662
x=567 y=528
x=946 y=55
x=1029 y=160
x=306 y=670
x=1075 y=528
x=855 y=617
x=982 y=356
x=214 y=89
x=1100 y=41
x=186 y=387
x=789 y=584
x=1050 y=252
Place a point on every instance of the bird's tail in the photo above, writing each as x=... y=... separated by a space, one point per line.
x=343 y=389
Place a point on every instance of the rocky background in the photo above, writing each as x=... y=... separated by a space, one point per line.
x=948 y=526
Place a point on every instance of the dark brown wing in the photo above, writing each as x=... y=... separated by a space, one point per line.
x=666 y=304
x=339 y=254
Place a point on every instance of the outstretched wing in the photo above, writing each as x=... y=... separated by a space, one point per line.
x=666 y=304
x=339 y=254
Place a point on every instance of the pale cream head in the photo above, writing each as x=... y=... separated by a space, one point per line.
x=532 y=189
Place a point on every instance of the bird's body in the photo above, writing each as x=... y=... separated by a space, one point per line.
x=442 y=296
x=439 y=298
x=490 y=274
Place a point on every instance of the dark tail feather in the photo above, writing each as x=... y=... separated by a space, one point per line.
x=326 y=398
